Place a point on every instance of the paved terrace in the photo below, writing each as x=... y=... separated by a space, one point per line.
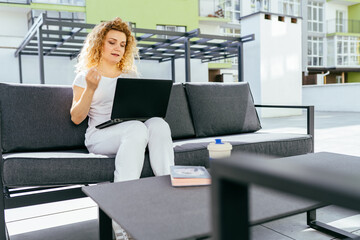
x=76 y=219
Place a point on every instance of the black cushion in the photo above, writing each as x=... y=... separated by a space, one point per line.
x=178 y=114
x=37 y=117
x=220 y=109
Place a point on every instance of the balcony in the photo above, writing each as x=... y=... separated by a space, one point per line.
x=62 y=2
x=81 y=3
x=343 y=51
x=343 y=26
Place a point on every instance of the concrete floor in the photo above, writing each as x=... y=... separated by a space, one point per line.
x=77 y=219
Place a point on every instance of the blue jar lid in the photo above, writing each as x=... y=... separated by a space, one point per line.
x=218 y=141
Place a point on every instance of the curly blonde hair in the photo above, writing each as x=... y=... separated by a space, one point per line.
x=90 y=54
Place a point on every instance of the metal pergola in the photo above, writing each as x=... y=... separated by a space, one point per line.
x=49 y=37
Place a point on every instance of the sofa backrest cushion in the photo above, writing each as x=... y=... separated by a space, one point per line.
x=178 y=114
x=222 y=108
x=37 y=117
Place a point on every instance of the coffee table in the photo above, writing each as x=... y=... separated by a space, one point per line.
x=326 y=177
x=150 y=208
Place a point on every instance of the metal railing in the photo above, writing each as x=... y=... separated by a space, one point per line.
x=343 y=26
x=62 y=2
x=58 y=2
x=16 y=1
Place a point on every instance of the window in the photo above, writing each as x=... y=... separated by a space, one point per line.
x=260 y=5
x=172 y=28
x=289 y=7
x=231 y=32
x=315 y=51
x=231 y=9
x=340 y=21
x=347 y=50
x=315 y=17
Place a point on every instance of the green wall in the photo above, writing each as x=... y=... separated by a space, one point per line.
x=354 y=12
x=353 y=77
x=145 y=13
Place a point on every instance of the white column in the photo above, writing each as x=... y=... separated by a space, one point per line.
x=272 y=63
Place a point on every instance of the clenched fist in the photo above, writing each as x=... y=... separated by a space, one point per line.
x=93 y=78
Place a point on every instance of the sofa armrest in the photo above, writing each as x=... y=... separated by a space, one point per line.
x=310 y=116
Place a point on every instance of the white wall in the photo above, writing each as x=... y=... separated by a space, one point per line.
x=251 y=53
x=13 y=28
x=58 y=70
x=207 y=27
x=272 y=63
x=245 y=8
x=333 y=97
x=198 y=71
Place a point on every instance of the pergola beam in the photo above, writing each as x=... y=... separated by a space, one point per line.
x=41 y=56
x=158 y=45
x=31 y=33
x=64 y=40
x=62 y=32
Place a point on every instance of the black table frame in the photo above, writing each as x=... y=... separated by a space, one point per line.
x=230 y=186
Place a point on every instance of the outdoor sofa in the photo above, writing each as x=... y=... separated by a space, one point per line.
x=42 y=149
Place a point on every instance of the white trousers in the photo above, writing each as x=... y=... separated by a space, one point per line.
x=128 y=140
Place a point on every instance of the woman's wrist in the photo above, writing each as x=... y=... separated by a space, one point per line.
x=90 y=90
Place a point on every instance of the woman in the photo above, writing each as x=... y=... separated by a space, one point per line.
x=108 y=54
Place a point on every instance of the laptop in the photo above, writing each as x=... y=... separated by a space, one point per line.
x=139 y=99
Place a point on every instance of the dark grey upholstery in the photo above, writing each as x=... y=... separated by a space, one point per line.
x=38 y=118
x=274 y=144
x=41 y=146
x=72 y=167
x=221 y=109
x=178 y=114
x=56 y=168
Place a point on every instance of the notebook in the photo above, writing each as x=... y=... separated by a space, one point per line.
x=182 y=176
x=139 y=99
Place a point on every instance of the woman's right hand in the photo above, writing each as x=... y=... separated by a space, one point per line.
x=92 y=78
x=83 y=96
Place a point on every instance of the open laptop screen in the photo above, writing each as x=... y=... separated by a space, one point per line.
x=139 y=99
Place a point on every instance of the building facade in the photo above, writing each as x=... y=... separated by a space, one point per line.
x=331 y=41
x=330 y=32
x=17 y=16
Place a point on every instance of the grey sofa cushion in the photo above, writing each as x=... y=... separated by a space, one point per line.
x=220 y=109
x=78 y=166
x=37 y=117
x=178 y=114
x=271 y=144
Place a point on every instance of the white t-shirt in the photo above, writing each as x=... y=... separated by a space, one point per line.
x=101 y=105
